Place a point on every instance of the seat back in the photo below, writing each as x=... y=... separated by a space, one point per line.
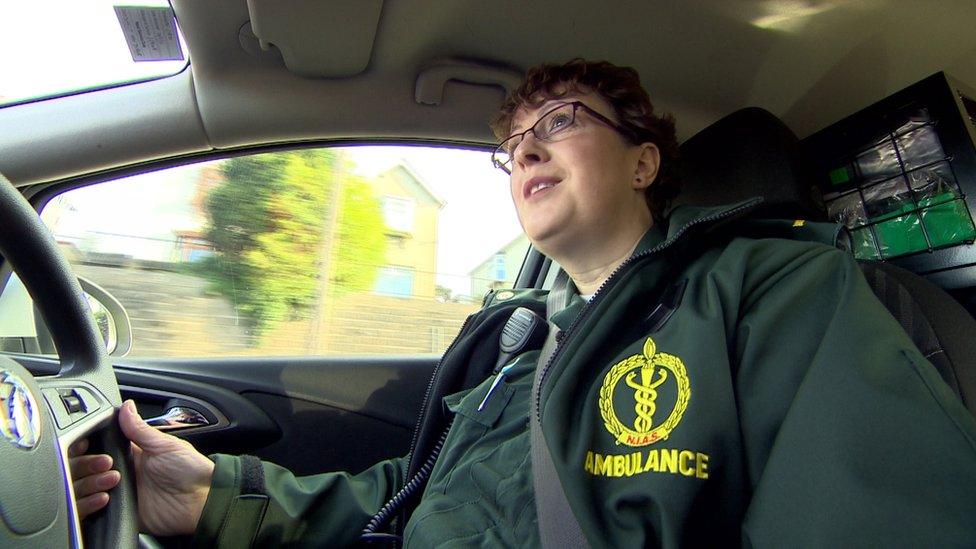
x=752 y=153
x=749 y=153
x=940 y=327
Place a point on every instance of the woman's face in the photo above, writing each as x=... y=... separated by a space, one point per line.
x=582 y=187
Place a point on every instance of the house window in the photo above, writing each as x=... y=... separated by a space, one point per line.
x=498 y=267
x=397 y=281
x=398 y=213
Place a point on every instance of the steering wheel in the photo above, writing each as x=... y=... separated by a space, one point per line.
x=40 y=417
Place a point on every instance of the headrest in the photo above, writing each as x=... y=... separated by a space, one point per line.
x=749 y=153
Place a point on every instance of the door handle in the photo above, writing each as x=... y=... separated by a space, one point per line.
x=177 y=418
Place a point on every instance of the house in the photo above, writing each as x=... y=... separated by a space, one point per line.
x=500 y=269
x=192 y=245
x=410 y=211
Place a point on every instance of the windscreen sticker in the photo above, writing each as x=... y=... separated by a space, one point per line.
x=150 y=32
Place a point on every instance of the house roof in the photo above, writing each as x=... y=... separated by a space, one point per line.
x=520 y=240
x=406 y=174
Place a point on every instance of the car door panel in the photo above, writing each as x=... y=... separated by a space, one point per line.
x=307 y=414
x=333 y=413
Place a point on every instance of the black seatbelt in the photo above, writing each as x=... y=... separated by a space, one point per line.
x=558 y=527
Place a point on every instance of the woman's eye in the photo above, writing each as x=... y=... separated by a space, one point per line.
x=558 y=122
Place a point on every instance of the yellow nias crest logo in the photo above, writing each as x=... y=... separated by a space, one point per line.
x=643 y=375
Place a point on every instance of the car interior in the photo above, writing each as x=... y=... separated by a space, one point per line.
x=770 y=97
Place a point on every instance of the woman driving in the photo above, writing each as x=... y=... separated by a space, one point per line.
x=711 y=378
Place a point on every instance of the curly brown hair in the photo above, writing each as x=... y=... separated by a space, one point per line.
x=621 y=88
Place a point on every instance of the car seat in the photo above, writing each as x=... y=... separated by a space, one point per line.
x=752 y=153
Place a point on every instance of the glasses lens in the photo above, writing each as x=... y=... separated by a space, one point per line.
x=502 y=160
x=555 y=121
x=502 y=157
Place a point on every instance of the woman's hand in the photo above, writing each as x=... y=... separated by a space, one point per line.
x=93 y=477
x=172 y=478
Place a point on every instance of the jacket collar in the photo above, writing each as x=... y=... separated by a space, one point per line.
x=684 y=217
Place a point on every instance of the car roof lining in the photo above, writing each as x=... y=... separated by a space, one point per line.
x=699 y=59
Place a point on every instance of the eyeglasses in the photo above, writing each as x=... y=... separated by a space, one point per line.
x=553 y=125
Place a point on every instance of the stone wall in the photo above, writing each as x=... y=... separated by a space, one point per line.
x=173 y=315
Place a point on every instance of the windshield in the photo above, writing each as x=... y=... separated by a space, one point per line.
x=54 y=47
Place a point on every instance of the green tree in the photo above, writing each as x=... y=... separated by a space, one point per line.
x=281 y=221
x=442 y=293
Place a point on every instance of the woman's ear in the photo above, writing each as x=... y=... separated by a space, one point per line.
x=648 y=162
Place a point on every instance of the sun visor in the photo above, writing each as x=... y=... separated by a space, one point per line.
x=429 y=88
x=318 y=39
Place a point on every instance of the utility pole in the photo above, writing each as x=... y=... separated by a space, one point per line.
x=326 y=270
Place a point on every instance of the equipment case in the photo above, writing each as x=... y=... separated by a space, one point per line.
x=901 y=175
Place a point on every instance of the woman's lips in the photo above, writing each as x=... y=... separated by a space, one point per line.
x=538 y=185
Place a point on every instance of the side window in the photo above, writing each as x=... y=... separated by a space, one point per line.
x=357 y=250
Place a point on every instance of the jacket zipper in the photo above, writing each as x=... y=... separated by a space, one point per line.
x=430 y=387
x=614 y=277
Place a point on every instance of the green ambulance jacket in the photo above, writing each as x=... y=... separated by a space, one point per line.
x=778 y=405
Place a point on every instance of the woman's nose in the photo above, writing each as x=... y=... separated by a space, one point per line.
x=530 y=151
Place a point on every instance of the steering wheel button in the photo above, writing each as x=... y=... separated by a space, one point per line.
x=88 y=399
x=57 y=407
x=72 y=401
x=73 y=404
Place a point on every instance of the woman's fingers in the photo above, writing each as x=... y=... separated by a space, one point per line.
x=83 y=466
x=78 y=448
x=89 y=504
x=148 y=438
x=93 y=477
x=93 y=484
